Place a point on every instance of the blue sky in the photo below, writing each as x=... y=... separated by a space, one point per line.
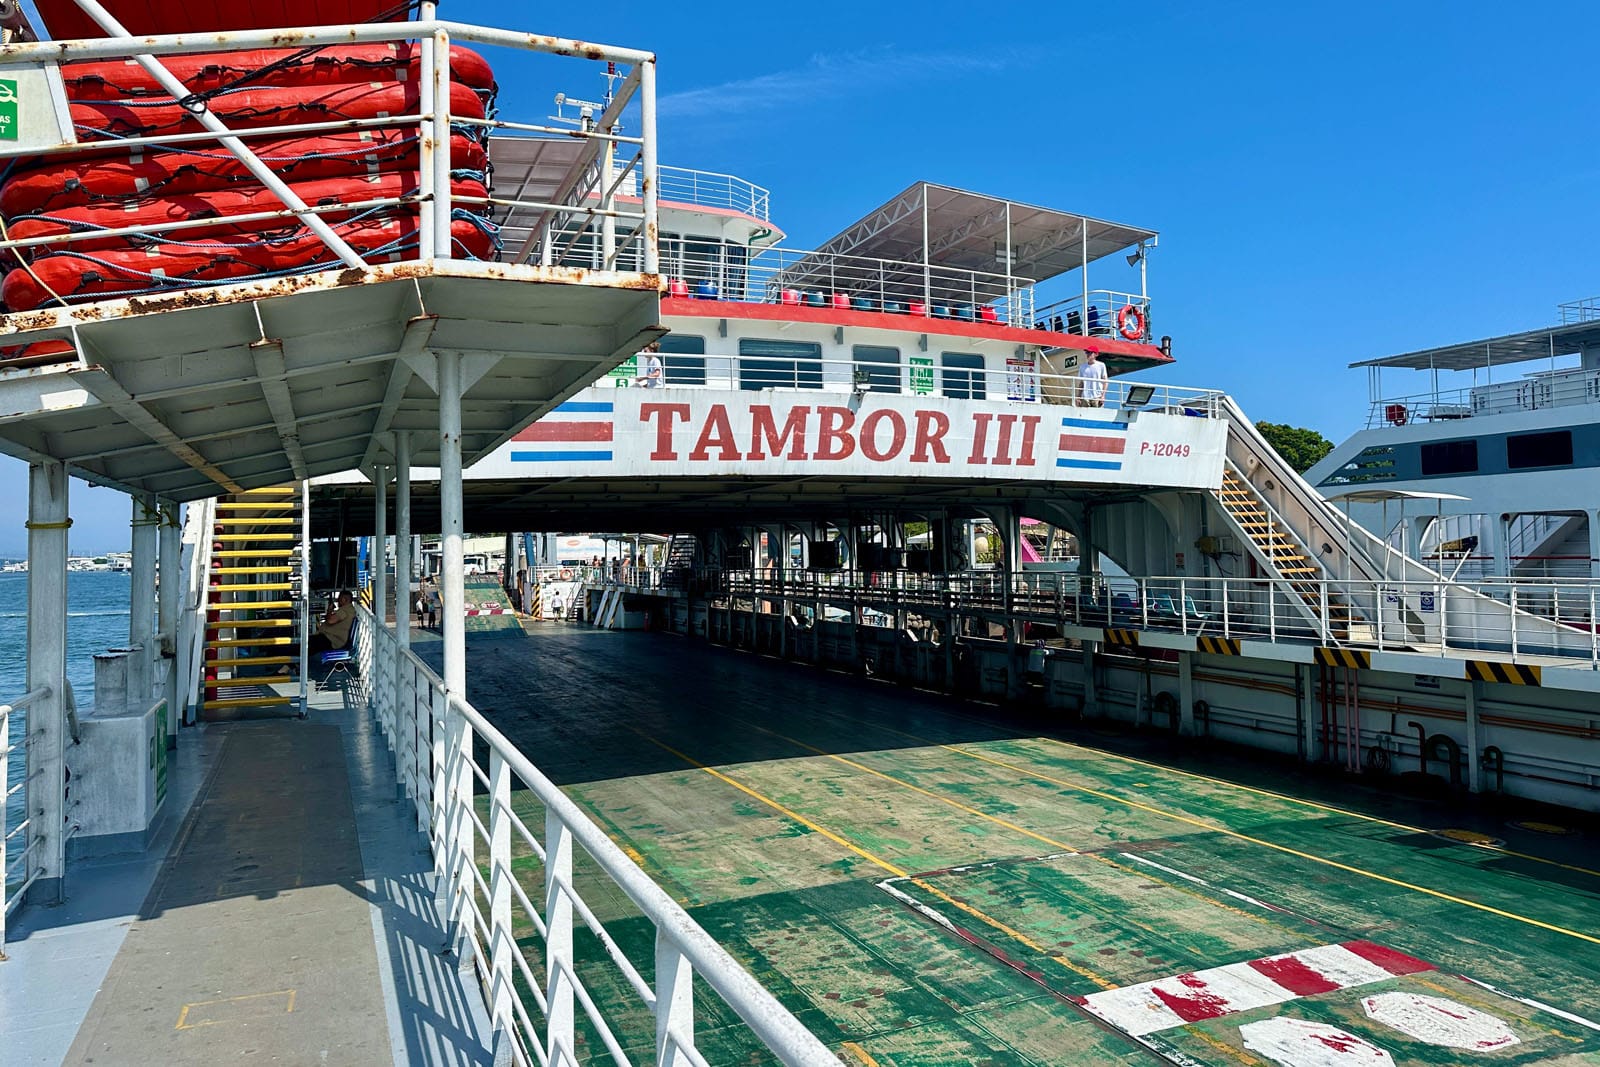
x=1330 y=183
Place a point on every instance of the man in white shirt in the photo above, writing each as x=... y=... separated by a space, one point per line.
x=1092 y=377
x=653 y=372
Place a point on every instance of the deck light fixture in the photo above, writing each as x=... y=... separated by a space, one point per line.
x=1139 y=396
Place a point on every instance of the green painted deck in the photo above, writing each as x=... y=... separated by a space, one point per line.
x=925 y=881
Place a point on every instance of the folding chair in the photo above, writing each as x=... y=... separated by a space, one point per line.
x=340 y=661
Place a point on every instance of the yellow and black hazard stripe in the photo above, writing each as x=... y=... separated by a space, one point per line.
x=1219 y=646
x=1488 y=670
x=1355 y=659
x=1125 y=638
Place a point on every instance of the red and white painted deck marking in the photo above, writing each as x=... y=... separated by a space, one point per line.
x=1300 y=1043
x=1200 y=995
x=470 y=612
x=1439 y=1021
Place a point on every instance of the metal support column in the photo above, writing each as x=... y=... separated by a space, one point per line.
x=169 y=553
x=650 y=178
x=403 y=565
x=458 y=732
x=142 y=601
x=1186 y=694
x=47 y=669
x=380 y=544
x=1472 y=753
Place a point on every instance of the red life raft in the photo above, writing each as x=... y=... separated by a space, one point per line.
x=55 y=184
x=219 y=205
x=116 y=79
x=160 y=268
x=258 y=106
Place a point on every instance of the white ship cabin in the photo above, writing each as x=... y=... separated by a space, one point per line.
x=938 y=291
x=1490 y=467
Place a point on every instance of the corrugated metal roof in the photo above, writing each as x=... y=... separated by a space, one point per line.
x=1497 y=351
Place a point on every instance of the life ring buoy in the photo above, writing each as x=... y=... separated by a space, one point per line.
x=1130 y=322
x=566 y=575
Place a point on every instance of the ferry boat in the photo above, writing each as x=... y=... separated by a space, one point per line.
x=1495 y=457
x=853 y=798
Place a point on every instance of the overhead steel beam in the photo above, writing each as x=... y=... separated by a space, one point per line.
x=268 y=358
x=98 y=381
x=229 y=432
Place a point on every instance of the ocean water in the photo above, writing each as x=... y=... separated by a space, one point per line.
x=97 y=619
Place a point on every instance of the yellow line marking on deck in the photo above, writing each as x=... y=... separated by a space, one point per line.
x=859 y=1053
x=183 y=1014
x=898 y=872
x=1257 y=791
x=1282 y=848
x=1502 y=850
x=1238 y=1054
x=1052 y=842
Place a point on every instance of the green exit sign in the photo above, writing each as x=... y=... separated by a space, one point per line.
x=8 y=109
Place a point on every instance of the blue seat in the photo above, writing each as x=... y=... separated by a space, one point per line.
x=816 y=300
x=860 y=303
x=1094 y=321
x=706 y=291
x=895 y=307
x=339 y=661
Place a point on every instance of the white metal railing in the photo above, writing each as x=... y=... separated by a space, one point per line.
x=453 y=219
x=1535 y=392
x=705 y=188
x=925 y=375
x=20 y=841
x=802 y=278
x=1101 y=315
x=533 y=1003
x=1576 y=311
x=1438 y=616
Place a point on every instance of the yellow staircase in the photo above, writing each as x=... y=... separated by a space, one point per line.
x=253 y=603
x=1283 y=554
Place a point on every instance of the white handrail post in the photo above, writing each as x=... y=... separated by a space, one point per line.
x=442 y=245
x=1272 y=612
x=674 y=1003
x=1513 y=618
x=560 y=1034
x=1227 y=618
x=651 y=178
x=502 y=945
x=1323 y=624
x=425 y=141
x=1183 y=605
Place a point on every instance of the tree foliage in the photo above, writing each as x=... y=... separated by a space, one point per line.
x=1301 y=448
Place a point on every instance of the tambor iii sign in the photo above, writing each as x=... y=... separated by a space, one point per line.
x=697 y=432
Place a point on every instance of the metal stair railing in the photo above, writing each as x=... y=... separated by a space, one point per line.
x=480 y=895
x=1313 y=596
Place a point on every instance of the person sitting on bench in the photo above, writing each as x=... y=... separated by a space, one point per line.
x=334 y=629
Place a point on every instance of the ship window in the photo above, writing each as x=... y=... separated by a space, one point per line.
x=878 y=368
x=1374 y=463
x=963 y=375
x=1450 y=457
x=1553 y=449
x=683 y=359
x=779 y=364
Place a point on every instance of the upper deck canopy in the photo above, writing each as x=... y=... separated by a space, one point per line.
x=949 y=227
x=66 y=21
x=1551 y=341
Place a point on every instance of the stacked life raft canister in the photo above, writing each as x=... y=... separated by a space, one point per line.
x=95 y=192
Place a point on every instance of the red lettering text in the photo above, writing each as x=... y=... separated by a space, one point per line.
x=833 y=435
x=1002 y=447
x=868 y=435
x=663 y=414
x=1030 y=423
x=931 y=428
x=980 y=437
x=763 y=427
x=716 y=433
